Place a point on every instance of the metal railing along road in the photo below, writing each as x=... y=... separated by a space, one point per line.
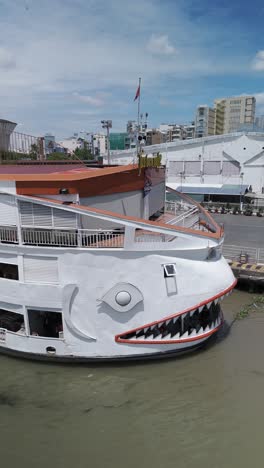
x=248 y=254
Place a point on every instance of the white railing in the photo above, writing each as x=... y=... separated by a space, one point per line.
x=177 y=207
x=79 y=238
x=52 y=237
x=148 y=236
x=8 y=234
x=244 y=253
x=101 y=239
x=186 y=219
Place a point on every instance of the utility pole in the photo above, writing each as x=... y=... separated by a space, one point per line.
x=107 y=124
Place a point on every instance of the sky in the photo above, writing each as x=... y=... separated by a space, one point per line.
x=66 y=65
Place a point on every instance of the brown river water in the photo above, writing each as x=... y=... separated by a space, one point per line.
x=202 y=410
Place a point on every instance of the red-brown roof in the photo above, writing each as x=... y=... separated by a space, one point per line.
x=67 y=175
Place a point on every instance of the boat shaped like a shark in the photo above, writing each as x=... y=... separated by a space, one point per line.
x=78 y=282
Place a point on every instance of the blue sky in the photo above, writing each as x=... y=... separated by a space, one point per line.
x=66 y=65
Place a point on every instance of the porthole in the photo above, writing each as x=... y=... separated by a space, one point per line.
x=51 y=350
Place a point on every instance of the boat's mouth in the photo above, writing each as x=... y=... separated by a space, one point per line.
x=193 y=324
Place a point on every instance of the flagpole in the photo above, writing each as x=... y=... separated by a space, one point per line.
x=138 y=117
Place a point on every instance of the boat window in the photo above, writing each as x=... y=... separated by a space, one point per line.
x=8 y=271
x=169 y=270
x=45 y=323
x=12 y=321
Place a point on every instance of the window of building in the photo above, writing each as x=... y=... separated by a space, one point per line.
x=169 y=270
x=40 y=269
x=12 y=321
x=45 y=323
x=8 y=271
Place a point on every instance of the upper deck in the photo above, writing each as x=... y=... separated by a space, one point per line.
x=52 y=223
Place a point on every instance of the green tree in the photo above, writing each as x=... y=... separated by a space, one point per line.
x=56 y=156
x=34 y=151
x=83 y=153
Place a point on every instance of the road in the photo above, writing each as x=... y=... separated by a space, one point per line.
x=242 y=230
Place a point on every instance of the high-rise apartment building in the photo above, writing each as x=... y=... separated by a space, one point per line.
x=259 y=122
x=204 y=121
x=231 y=113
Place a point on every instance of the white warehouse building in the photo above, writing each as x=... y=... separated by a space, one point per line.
x=230 y=159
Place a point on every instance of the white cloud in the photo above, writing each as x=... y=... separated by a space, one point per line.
x=7 y=60
x=67 y=57
x=160 y=45
x=95 y=101
x=258 y=63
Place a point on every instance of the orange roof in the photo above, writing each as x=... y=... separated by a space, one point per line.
x=70 y=175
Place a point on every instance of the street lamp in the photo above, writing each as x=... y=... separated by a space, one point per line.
x=241 y=184
x=107 y=124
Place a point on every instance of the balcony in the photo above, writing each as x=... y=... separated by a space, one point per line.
x=63 y=237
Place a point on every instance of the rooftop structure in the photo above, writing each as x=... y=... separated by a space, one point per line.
x=221 y=159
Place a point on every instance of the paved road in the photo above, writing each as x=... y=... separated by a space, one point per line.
x=242 y=230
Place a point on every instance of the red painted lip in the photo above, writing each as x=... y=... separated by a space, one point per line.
x=119 y=339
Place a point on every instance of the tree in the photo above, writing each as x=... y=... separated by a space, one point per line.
x=57 y=156
x=34 y=151
x=83 y=153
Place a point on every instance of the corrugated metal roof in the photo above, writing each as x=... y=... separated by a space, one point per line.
x=205 y=190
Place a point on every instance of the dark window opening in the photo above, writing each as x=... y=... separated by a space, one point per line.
x=8 y=271
x=12 y=321
x=169 y=270
x=47 y=324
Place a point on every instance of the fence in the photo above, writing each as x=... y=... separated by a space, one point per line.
x=250 y=254
x=14 y=146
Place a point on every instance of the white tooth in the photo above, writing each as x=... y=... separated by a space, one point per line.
x=145 y=329
x=159 y=337
x=192 y=312
x=221 y=298
x=209 y=304
x=194 y=333
x=152 y=327
x=175 y=319
x=149 y=338
x=168 y=321
x=176 y=337
x=184 y=315
x=216 y=301
x=200 y=309
x=207 y=329
x=186 y=335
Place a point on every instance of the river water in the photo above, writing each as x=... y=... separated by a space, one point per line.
x=203 y=410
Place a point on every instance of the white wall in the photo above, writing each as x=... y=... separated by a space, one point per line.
x=247 y=149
